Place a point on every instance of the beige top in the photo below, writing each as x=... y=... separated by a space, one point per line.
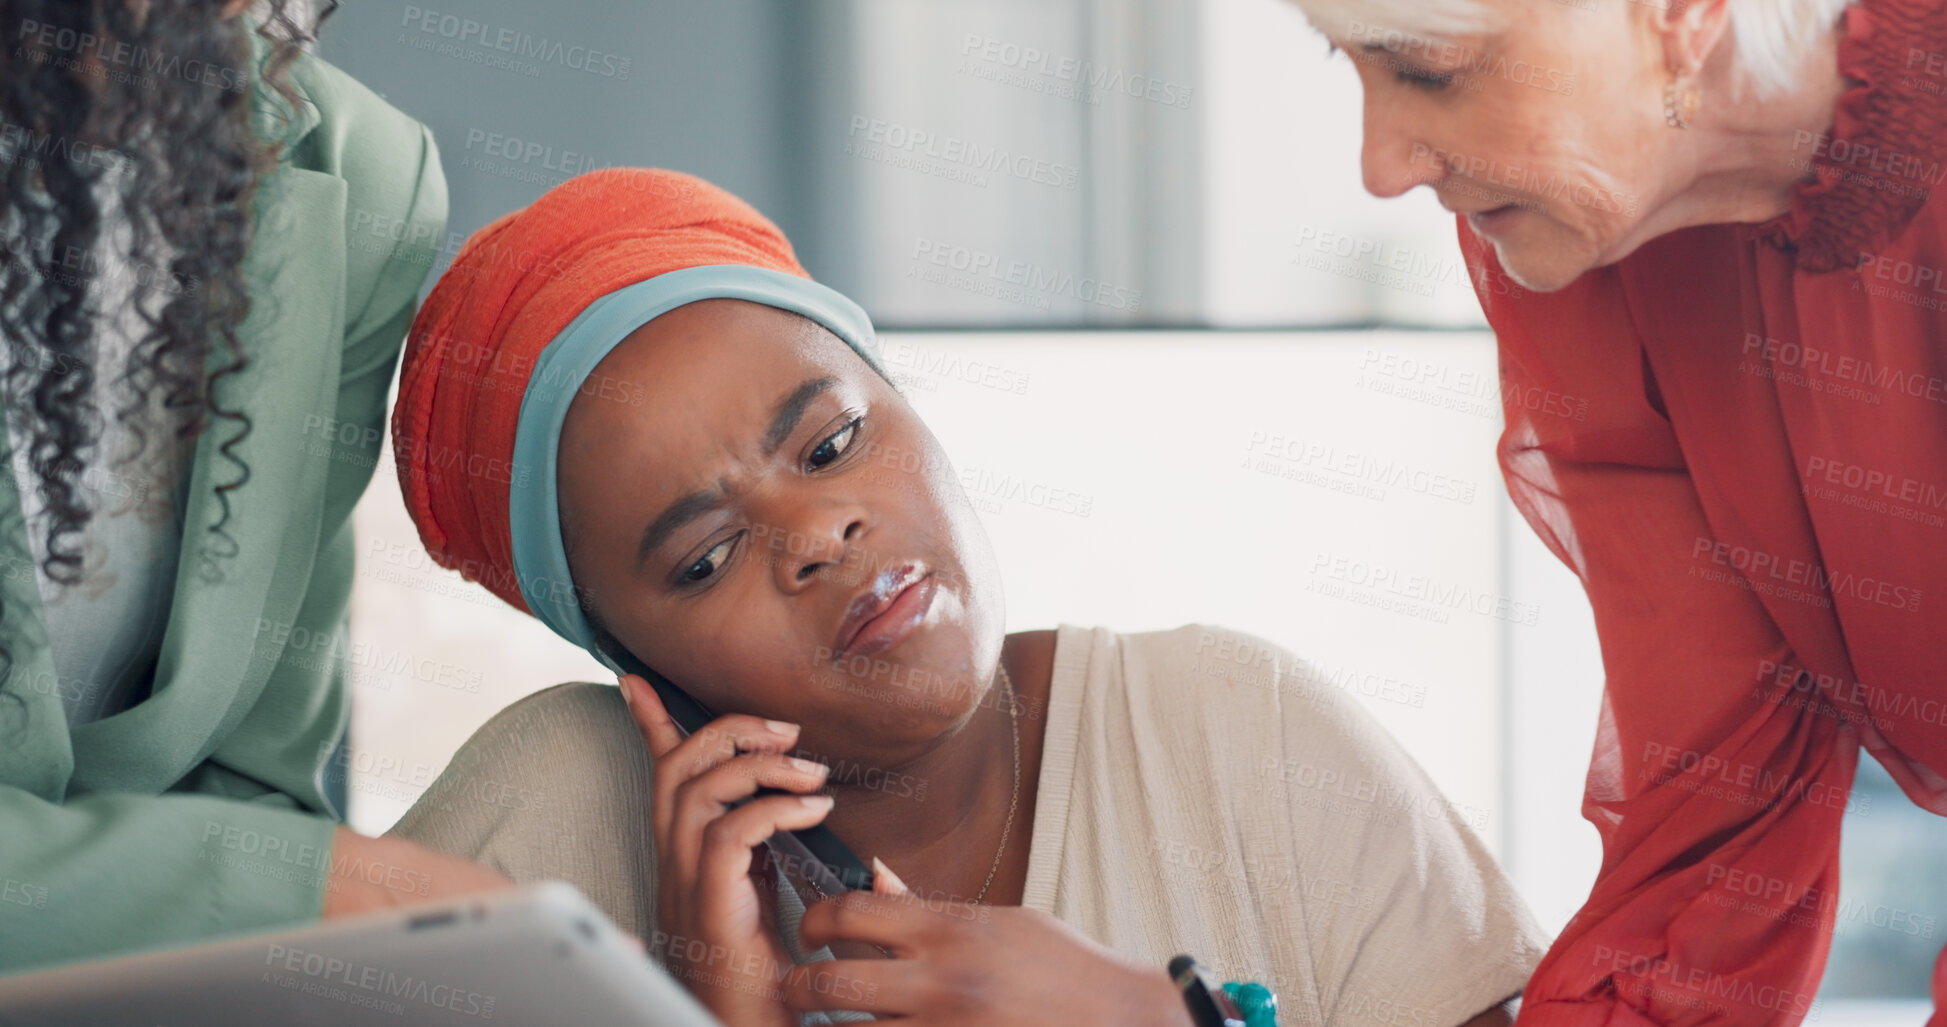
x=1205 y=791
x=1201 y=791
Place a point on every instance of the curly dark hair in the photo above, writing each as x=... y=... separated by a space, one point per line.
x=127 y=163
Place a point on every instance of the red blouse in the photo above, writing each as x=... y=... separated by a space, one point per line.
x=1737 y=438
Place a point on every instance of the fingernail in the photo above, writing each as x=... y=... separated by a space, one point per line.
x=816 y=801
x=882 y=872
x=780 y=727
x=810 y=766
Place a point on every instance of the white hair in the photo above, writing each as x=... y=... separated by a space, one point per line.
x=1774 y=37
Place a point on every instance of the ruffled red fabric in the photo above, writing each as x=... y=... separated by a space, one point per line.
x=1736 y=437
x=1883 y=156
x=512 y=288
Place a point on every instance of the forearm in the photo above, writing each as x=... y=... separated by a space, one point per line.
x=382 y=873
x=1155 y=1001
x=1500 y=1015
x=1718 y=887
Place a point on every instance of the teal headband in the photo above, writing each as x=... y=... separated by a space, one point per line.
x=533 y=503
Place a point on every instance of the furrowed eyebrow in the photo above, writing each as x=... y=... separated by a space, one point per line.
x=791 y=410
x=784 y=420
x=677 y=514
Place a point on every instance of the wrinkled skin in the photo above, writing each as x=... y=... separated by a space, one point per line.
x=1558 y=111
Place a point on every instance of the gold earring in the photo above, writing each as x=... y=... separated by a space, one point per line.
x=1679 y=105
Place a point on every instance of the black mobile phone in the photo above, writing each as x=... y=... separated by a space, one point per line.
x=814 y=853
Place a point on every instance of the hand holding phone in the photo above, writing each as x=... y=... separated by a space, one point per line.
x=717 y=930
x=816 y=853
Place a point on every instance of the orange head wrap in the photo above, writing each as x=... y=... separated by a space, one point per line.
x=530 y=305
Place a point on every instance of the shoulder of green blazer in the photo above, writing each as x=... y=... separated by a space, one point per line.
x=202 y=810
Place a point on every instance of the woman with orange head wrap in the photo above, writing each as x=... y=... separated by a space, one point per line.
x=627 y=411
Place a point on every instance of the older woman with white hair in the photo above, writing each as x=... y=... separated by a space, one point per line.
x=1726 y=398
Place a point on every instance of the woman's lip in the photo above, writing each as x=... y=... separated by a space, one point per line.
x=898 y=620
x=1486 y=221
x=878 y=594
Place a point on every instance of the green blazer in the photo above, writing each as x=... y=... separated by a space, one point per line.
x=203 y=810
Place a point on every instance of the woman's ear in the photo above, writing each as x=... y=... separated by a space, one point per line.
x=1690 y=31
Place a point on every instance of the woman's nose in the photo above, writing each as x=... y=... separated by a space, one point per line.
x=1391 y=159
x=822 y=537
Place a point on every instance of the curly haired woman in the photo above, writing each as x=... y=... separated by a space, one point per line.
x=212 y=244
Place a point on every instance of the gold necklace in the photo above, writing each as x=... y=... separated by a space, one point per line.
x=1013 y=804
